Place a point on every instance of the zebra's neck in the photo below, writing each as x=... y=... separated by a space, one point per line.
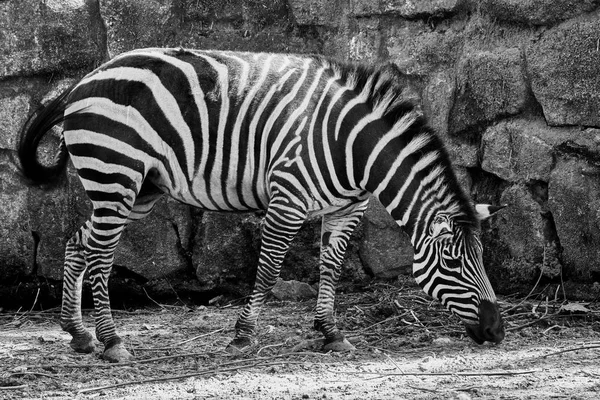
x=407 y=168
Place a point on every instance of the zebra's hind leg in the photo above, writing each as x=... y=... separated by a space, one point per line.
x=282 y=222
x=336 y=229
x=107 y=226
x=70 y=319
x=106 y=237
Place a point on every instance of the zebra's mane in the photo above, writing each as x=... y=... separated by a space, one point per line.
x=383 y=84
x=386 y=90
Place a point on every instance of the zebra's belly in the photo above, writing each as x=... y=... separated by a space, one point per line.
x=202 y=194
x=317 y=210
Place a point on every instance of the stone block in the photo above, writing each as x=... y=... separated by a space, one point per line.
x=154 y=246
x=438 y=96
x=364 y=43
x=417 y=50
x=293 y=290
x=574 y=200
x=536 y=12
x=564 y=68
x=405 y=8
x=385 y=250
x=16 y=240
x=518 y=150
x=317 y=12
x=411 y=9
x=14 y=111
x=53 y=224
x=490 y=85
x=520 y=224
x=137 y=24
x=49 y=36
x=225 y=249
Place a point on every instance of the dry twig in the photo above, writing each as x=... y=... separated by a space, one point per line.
x=584 y=347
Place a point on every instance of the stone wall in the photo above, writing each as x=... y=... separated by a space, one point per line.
x=511 y=86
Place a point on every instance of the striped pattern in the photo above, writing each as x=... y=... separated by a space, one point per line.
x=297 y=136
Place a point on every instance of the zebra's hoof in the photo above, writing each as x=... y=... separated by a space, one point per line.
x=339 y=346
x=83 y=343
x=116 y=354
x=239 y=346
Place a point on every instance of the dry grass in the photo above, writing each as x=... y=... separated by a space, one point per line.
x=173 y=343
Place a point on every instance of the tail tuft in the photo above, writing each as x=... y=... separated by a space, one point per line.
x=34 y=130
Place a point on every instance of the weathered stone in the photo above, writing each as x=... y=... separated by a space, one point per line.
x=536 y=12
x=518 y=150
x=564 y=66
x=438 y=96
x=225 y=250
x=43 y=37
x=419 y=9
x=364 y=44
x=416 y=50
x=574 y=199
x=317 y=12
x=489 y=85
x=385 y=250
x=139 y=24
x=302 y=260
x=405 y=8
x=13 y=112
x=16 y=240
x=51 y=222
x=464 y=177
x=153 y=247
x=293 y=290
x=520 y=224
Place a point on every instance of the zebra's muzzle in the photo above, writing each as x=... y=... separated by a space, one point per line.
x=490 y=327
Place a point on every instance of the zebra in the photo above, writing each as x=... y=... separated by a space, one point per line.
x=298 y=136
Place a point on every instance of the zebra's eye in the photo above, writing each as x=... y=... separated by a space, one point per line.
x=453 y=263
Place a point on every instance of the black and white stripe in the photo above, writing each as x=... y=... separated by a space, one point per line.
x=295 y=135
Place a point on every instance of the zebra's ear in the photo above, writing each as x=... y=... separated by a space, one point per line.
x=484 y=211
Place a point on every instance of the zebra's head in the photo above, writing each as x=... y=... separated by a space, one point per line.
x=448 y=266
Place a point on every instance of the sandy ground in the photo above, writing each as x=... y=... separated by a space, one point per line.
x=407 y=348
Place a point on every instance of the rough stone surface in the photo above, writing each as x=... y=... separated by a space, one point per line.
x=521 y=225
x=405 y=8
x=14 y=111
x=225 y=250
x=515 y=150
x=152 y=247
x=385 y=250
x=536 y=12
x=55 y=216
x=42 y=37
x=574 y=199
x=293 y=290
x=16 y=240
x=417 y=50
x=317 y=12
x=490 y=85
x=564 y=66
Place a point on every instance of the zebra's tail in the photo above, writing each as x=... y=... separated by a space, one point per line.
x=37 y=126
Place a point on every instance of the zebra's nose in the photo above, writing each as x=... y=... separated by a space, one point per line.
x=491 y=326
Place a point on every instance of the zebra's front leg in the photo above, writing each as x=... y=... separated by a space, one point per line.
x=335 y=234
x=70 y=318
x=281 y=224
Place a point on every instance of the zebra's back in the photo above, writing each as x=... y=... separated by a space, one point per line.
x=213 y=129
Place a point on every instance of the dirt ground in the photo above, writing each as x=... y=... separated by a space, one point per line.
x=408 y=347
